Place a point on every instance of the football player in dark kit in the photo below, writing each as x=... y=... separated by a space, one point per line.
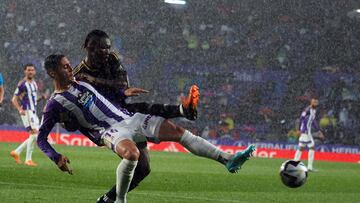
x=102 y=68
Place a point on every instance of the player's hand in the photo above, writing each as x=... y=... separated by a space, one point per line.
x=63 y=164
x=22 y=112
x=134 y=91
x=45 y=96
x=321 y=135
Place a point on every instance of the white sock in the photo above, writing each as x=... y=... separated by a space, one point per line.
x=201 y=147
x=124 y=175
x=311 y=158
x=297 y=155
x=181 y=108
x=21 y=147
x=30 y=146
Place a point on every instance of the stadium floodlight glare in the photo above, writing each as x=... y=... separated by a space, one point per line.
x=357 y=10
x=179 y=2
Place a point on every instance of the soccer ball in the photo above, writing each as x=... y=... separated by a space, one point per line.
x=293 y=173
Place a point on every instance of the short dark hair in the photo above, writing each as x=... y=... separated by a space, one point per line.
x=28 y=64
x=93 y=34
x=52 y=61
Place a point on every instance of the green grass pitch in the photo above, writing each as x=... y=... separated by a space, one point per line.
x=175 y=177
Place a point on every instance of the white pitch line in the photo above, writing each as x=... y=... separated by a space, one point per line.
x=41 y=185
x=188 y=197
x=133 y=193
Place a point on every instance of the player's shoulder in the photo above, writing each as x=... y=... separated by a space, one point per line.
x=21 y=83
x=306 y=111
x=79 y=67
x=115 y=60
x=51 y=103
x=115 y=55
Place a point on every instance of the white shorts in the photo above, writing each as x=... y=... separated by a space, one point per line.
x=306 y=140
x=30 y=120
x=138 y=128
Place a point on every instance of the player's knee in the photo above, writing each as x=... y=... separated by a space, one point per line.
x=33 y=131
x=131 y=153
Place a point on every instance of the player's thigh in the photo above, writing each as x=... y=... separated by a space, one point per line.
x=311 y=144
x=119 y=139
x=26 y=120
x=170 y=132
x=302 y=146
x=304 y=138
x=147 y=126
x=34 y=121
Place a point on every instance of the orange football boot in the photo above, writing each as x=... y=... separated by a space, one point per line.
x=192 y=98
x=30 y=163
x=190 y=103
x=16 y=156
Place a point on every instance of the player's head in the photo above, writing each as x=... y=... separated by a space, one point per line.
x=314 y=103
x=97 y=44
x=58 y=67
x=29 y=71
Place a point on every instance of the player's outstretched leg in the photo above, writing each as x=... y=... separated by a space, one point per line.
x=201 y=147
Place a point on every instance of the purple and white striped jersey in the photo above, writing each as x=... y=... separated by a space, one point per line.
x=27 y=92
x=308 y=121
x=93 y=112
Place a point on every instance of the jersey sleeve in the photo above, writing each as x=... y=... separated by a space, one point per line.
x=1 y=80
x=315 y=126
x=49 y=120
x=302 y=120
x=20 y=89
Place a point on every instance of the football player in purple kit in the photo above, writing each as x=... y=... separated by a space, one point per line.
x=102 y=68
x=27 y=93
x=116 y=127
x=307 y=123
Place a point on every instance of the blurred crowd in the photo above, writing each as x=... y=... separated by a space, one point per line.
x=257 y=62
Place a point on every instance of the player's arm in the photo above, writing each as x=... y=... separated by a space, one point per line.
x=15 y=102
x=317 y=129
x=302 y=120
x=134 y=91
x=49 y=120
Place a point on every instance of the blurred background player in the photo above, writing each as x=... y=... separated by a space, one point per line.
x=27 y=93
x=102 y=68
x=307 y=123
x=117 y=128
x=2 y=90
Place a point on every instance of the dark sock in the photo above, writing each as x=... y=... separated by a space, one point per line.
x=112 y=193
x=164 y=110
x=222 y=160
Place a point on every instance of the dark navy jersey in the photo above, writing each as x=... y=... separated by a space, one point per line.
x=108 y=80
